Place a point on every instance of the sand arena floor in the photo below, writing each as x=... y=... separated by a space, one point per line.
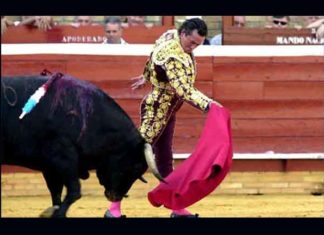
x=212 y=206
x=137 y=205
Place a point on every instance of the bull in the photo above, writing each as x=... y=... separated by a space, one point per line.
x=74 y=128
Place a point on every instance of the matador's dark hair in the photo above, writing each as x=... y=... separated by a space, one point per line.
x=190 y=25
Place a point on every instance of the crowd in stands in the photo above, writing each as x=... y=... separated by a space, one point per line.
x=114 y=25
x=82 y=21
x=239 y=21
x=278 y=22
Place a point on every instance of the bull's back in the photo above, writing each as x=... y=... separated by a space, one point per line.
x=71 y=108
x=17 y=135
x=15 y=93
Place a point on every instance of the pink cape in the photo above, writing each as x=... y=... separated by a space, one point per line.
x=204 y=170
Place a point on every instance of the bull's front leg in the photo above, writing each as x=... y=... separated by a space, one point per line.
x=55 y=186
x=73 y=194
x=63 y=159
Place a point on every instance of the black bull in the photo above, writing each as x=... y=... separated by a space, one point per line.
x=74 y=128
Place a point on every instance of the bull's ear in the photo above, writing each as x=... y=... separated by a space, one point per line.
x=142 y=179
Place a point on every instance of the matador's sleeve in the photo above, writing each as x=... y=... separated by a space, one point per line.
x=178 y=76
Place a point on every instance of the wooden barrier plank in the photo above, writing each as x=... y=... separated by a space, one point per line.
x=268 y=59
x=310 y=90
x=97 y=67
x=204 y=68
x=258 y=165
x=123 y=70
x=131 y=106
x=238 y=90
x=192 y=127
x=109 y=59
x=249 y=109
x=278 y=144
x=298 y=59
x=30 y=35
x=290 y=109
x=11 y=168
x=104 y=71
x=276 y=102
x=278 y=128
x=31 y=68
x=257 y=36
x=276 y=165
x=257 y=127
x=84 y=34
x=260 y=144
x=216 y=60
x=58 y=34
x=142 y=34
x=33 y=58
x=268 y=72
x=274 y=90
x=66 y=57
x=302 y=164
x=122 y=89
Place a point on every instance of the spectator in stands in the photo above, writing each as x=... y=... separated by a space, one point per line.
x=318 y=27
x=42 y=22
x=170 y=70
x=82 y=21
x=132 y=21
x=320 y=31
x=310 y=19
x=122 y=18
x=239 y=21
x=135 y=20
x=114 y=31
x=5 y=23
x=279 y=22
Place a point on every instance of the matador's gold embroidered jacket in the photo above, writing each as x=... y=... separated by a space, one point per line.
x=172 y=73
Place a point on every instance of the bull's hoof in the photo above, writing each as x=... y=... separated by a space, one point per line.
x=48 y=213
x=109 y=215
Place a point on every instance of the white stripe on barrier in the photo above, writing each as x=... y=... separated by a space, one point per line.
x=145 y=49
x=266 y=156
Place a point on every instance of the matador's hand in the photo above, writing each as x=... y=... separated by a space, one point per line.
x=43 y=22
x=139 y=82
x=5 y=23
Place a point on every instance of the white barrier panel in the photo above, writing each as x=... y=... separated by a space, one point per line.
x=145 y=49
x=266 y=156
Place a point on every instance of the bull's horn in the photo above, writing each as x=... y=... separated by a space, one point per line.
x=142 y=179
x=150 y=160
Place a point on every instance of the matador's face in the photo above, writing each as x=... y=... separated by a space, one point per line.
x=190 y=41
